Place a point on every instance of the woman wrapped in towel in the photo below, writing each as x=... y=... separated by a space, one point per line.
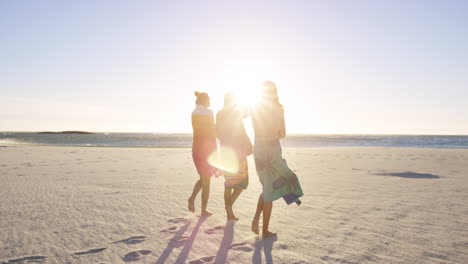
x=204 y=143
x=278 y=181
x=235 y=146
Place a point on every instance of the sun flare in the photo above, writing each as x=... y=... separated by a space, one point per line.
x=247 y=97
x=247 y=91
x=243 y=77
x=225 y=159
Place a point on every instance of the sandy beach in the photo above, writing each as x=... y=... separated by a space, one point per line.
x=116 y=205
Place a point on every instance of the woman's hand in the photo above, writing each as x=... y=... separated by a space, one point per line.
x=218 y=173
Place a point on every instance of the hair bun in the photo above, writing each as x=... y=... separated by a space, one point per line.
x=197 y=94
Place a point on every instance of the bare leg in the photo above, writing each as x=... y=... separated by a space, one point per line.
x=255 y=228
x=205 y=195
x=191 y=200
x=267 y=207
x=227 y=202
x=235 y=194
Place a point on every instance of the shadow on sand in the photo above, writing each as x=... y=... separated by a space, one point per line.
x=267 y=245
x=189 y=242
x=180 y=240
x=175 y=242
x=228 y=237
x=412 y=175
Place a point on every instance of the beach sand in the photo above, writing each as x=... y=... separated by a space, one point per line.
x=116 y=205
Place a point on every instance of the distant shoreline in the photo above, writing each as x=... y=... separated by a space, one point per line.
x=84 y=138
x=66 y=132
x=189 y=133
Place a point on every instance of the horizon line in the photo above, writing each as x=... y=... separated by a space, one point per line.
x=188 y=133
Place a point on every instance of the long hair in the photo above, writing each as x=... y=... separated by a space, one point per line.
x=270 y=93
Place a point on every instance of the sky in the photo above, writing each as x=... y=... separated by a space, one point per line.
x=345 y=67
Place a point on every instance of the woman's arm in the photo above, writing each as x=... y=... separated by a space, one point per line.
x=211 y=125
x=217 y=125
x=282 y=125
x=245 y=112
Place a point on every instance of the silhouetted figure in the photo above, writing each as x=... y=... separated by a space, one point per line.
x=204 y=143
x=233 y=139
x=276 y=177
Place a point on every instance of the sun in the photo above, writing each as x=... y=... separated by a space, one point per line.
x=247 y=96
x=243 y=77
x=246 y=89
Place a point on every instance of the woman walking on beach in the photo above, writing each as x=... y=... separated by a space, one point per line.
x=204 y=143
x=235 y=146
x=276 y=177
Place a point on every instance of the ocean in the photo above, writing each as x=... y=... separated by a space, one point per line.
x=167 y=140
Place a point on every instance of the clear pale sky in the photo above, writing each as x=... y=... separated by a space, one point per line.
x=385 y=67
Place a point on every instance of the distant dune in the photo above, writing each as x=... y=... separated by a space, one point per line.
x=66 y=132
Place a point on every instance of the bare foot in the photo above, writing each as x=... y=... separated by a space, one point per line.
x=255 y=227
x=191 y=205
x=206 y=213
x=233 y=218
x=268 y=234
x=229 y=213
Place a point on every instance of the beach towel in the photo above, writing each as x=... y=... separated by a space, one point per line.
x=277 y=179
x=238 y=179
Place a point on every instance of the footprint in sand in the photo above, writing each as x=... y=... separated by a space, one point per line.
x=214 y=230
x=177 y=220
x=131 y=240
x=241 y=247
x=283 y=246
x=136 y=255
x=170 y=230
x=34 y=259
x=91 y=251
x=179 y=241
x=203 y=260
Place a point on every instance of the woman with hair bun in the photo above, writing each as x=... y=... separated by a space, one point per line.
x=204 y=143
